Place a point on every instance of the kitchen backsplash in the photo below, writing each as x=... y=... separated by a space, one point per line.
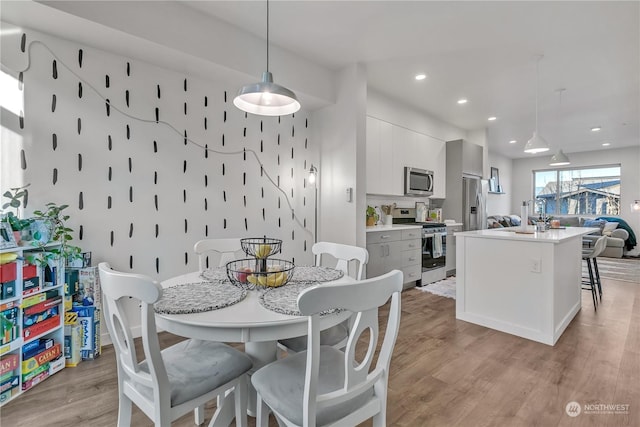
x=402 y=202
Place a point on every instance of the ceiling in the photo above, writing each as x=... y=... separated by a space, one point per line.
x=485 y=52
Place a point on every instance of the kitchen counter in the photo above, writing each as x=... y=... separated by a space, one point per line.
x=394 y=227
x=528 y=285
x=515 y=233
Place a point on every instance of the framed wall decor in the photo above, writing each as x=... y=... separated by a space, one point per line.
x=6 y=236
x=496 y=178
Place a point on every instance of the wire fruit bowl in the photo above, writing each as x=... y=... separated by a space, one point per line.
x=270 y=273
x=261 y=247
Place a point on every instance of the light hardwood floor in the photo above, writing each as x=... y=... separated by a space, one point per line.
x=444 y=372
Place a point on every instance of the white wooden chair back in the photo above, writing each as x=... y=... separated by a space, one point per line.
x=344 y=254
x=363 y=298
x=150 y=384
x=226 y=248
x=117 y=288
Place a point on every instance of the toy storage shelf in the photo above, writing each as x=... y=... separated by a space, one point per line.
x=29 y=306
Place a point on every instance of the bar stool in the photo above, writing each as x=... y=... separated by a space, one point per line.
x=593 y=283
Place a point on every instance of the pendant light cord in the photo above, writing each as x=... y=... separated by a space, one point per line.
x=537 y=87
x=267 y=36
x=170 y=126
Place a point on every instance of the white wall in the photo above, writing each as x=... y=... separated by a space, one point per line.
x=500 y=204
x=341 y=128
x=199 y=195
x=393 y=111
x=208 y=47
x=111 y=168
x=628 y=158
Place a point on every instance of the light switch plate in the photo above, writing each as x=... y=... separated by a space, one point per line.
x=349 y=194
x=535 y=265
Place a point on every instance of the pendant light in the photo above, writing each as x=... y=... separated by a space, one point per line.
x=536 y=144
x=559 y=159
x=266 y=98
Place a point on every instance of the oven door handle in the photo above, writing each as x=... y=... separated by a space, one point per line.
x=428 y=235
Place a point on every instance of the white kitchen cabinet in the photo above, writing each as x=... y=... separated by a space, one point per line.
x=390 y=148
x=412 y=255
x=379 y=154
x=437 y=160
x=395 y=249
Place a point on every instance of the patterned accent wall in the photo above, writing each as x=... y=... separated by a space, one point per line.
x=141 y=193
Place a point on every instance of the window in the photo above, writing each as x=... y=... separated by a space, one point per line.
x=586 y=191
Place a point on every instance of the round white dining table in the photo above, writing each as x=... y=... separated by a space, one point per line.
x=245 y=322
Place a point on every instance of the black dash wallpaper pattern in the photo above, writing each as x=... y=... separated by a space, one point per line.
x=140 y=193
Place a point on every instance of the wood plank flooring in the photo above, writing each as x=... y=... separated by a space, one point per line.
x=444 y=372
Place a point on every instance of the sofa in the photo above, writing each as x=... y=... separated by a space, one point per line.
x=619 y=237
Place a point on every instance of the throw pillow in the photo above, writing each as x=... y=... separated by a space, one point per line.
x=595 y=223
x=609 y=227
x=515 y=220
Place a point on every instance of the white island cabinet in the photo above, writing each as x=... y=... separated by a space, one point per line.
x=527 y=285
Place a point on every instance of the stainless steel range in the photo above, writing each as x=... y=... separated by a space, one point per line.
x=434 y=244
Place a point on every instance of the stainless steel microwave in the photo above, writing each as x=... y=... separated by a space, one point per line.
x=418 y=182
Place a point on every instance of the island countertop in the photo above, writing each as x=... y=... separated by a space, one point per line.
x=516 y=233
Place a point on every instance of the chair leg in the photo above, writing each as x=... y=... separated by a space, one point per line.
x=198 y=415
x=262 y=416
x=241 y=396
x=592 y=282
x=595 y=267
x=124 y=411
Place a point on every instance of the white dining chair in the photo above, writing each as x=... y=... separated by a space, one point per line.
x=326 y=386
x=226 y=249
x=344 y=254
x=170 y=383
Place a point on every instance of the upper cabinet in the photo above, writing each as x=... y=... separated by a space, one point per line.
x=380 y=158
x=465 y=157
x=390 y=148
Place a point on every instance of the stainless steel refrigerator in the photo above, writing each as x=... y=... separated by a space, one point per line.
x=474 y=202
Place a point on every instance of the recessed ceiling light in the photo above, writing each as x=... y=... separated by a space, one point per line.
x=462 y=101
x=492 y=118
x=421 y=76
x=513 y=141
x=596 y=129
x=606 y=144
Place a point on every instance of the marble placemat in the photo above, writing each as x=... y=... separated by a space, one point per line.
x=308 y=273
x=198 y=297
x=284 y=300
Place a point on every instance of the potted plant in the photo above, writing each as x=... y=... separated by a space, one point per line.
x=21 y=227
x=55 y=220
x=372 y=216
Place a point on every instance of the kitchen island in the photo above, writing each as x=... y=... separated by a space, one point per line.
x=525 y=284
